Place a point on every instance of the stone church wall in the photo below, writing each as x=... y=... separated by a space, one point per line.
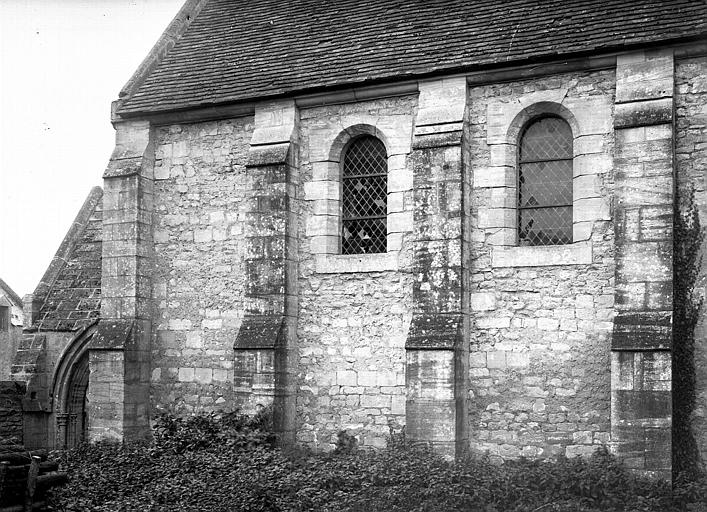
x=9 y=341
x=539 y=354
x=353 y=324
x=539 y=344
x=691 y=160
x=11 y=394
x=199 y=275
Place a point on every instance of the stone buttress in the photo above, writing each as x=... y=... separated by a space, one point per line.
x=265 y=348
x=119 y=353
x=436 y=355
x=641 y=415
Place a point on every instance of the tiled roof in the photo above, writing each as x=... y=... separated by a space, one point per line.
x=10 y=294
x=237 y=50
x=71 y=288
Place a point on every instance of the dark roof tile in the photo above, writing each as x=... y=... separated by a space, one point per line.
x=242 y=50
x=72 y=298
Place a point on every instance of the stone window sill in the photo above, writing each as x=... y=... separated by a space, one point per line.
x=578 y=253
x=351 y=263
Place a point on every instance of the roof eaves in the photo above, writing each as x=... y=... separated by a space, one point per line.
x=622 y=46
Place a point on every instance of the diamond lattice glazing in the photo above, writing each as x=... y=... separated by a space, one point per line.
x=364 y=194
x=545 y=184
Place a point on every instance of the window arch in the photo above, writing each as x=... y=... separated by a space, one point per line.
x=364 y=194
x=545 y=183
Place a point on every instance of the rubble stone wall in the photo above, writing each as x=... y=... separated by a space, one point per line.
x=355 y=310
x=9 y=342
x=691 y=163
x=539 y=347
x=199 y=275
x=11 y=395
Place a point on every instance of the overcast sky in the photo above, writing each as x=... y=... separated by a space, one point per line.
x=62 y=62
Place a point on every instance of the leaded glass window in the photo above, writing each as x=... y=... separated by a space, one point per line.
x=545 y=183
x=364 y=197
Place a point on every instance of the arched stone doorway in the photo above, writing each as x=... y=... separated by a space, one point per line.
x=75 y=415
x=70 y=391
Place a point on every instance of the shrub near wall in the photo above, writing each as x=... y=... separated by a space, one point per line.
x=230 y=464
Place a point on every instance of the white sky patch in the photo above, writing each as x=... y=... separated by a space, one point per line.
x=62 y=62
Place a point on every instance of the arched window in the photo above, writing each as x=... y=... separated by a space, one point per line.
x=545 y=183
x=364 y=195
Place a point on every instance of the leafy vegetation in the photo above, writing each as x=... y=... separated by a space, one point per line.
x=688 y=238
x=229 y=463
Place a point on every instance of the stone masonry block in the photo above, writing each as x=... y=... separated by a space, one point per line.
x=322 y=225
x=220 y=375
x=579 y=253
x=325 y=244
x=397 y=405
x=502 y=236
x=517 y=359
x=430 y=374
x=500 y=197
x=593 y=114
x=502 y=322
x=395 y=130
x=367 y=378
x=400 y=222
x=161 y=173
x=186 y=374
x=323 y=207
x=596 y=208
x=396 y=202
x=177 y=324
x=496 y=359
x=400 y=180
x=503 y=155
x=395 y=241
x=494 y=177
x=659 y=132
x=477 y=359
x=397 y=162
x=274 y=122
x=646 y=79
x=194 y=339
x=496 y=218
x=203 y=375
x=647 y=190
x=588 y=145
x=346 y=378
x=643 y=113
x=582 y=231
x=376 y=401
x=631 y=135
x=326 y=171
x=325 y=190
x=386 y=378
x=586 y=186
x=441 y=101
x=648 y=261
x=597 y=163
x=483 y=301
